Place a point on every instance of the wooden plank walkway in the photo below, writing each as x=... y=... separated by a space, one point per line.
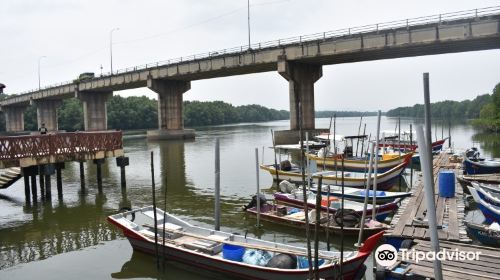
x=410 y=219
x=486 y=267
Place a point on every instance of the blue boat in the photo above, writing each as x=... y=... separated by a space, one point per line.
x=488 y=193
x=474 y=164
x=491 y=212
x=486 y=234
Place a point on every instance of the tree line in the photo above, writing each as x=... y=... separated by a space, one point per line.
x=446 y=110
x=489 y=116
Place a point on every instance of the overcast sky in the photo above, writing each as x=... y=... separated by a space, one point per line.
x=74 y=37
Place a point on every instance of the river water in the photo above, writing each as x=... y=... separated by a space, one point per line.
x=70 y=238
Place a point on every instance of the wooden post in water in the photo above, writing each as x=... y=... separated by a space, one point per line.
x=217 y=185
x=316 y=228
x=154 y=212
x=368 y=183
x=82 y=177
x=27 y=194
x=48 y=186
x=122 y=162
x=41 y=180
x=359 y=131
x=449 y=133
x=258 y=185
x=59 y=167
x=98 y=163
x=375 y=171
x=275 y=161
x=33 y=187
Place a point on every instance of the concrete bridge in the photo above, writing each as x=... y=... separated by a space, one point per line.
x=299 y=60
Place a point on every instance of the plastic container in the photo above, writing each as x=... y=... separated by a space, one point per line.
x=304 y=263
x=446 y=183
x=233 y=252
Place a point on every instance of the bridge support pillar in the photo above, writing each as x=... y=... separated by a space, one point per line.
x=59 y=167
x=301 y=78
x=122 y=162
x=46 y=112
x=170 y=119
x=27 y=172
x=95 y=116
x=98 y=163
x=14 y=118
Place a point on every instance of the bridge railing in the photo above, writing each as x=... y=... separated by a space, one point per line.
x=59 y=144
x=328 y=35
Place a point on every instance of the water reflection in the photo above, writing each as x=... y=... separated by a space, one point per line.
x=489 y=142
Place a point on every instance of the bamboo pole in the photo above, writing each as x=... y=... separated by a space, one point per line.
x=359 y=131
x=342 y=223
x=363 y=142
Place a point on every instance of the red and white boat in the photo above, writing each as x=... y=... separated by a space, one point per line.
x=204 y=248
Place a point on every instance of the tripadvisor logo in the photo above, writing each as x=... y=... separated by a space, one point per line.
x=386 y=255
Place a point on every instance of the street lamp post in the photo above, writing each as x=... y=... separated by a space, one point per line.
x=39 y=82
x=111 y=46
x=248 y=14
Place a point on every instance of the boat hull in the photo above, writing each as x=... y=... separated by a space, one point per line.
x=471 y=167
x=358 y=165
x=483 y=234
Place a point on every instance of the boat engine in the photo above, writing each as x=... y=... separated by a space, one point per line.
x=253 y=202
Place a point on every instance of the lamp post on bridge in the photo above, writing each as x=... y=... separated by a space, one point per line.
x=248 y=13
x=39 y=82
x=111 y=46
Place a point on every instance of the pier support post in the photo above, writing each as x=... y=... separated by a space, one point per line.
x=27 y=188
x=48 y=170
x=14 y=118
x=301 y=78
x=46 y=112
x=122 y=162
x=82 y=177
x=95 y=115
x=170 y=117
x=98 y=163
x=41 y=180
x=59 y=167
x=33 y=188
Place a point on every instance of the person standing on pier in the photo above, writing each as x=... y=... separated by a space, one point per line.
x=43 y=129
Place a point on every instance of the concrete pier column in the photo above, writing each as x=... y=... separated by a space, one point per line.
x=82 y=177
x=33 y=188
x=30 y=193
x=14 y=118
x=59 y=167
x=301 y=78
x=95 y=115
x=46 y=112
x=41 y=180
x=48 y=170
x=170 y=118
x=27 y=191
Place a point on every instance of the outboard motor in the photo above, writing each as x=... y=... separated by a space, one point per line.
x=253 y=202
x=348 y=151
x=286 y=165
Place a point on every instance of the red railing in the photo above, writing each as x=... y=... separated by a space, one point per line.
x=59 y=144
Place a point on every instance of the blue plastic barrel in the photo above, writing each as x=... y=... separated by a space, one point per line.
x=446 y=183
x=233 y=252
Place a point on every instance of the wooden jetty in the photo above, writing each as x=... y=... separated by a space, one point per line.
x=43 y=155
x=409 y=223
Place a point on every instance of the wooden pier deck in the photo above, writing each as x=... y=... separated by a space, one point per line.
x=452 y=234
x=408 y=221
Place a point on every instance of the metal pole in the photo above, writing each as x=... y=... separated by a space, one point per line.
x=375 y=171
x=426 y=163
x=449 y=133
x=39 y=80
x=428 y=127
x=258 y=185
x=359 y=131
x=111 y=47
x=154 y=212
x=411 y=150
x=316 y=228
x=248 y=11
x=368 y=182
x=275 y=161
x=217 y=185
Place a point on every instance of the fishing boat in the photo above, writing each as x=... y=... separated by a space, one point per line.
x=295 y=217
x=474 y=164
x=358 y=195
x=385 y=180
x=488 y=193
x=225 y=252
x=486 y=234
x=392 y=140
x=357 y=164
x=296 y=200
x=491 y=212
